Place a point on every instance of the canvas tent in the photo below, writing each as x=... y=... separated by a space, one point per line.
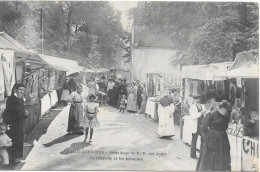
x=69 y=66
x=205 y=72
x=246 y=65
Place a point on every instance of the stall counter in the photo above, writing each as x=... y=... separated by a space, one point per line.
x=53 y=98
x=150 y=107
x=45 y=104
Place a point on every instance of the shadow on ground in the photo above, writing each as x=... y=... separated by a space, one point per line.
x=61 y=139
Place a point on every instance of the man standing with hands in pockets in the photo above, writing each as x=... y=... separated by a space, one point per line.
x=196 y=112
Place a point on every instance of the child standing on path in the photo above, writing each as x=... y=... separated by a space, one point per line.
x=5 y=142
x=90 y=119
x=123 y=102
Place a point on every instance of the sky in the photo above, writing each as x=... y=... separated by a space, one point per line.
x=123 y=7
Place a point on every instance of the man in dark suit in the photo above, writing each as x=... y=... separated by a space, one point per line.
x=14 y=116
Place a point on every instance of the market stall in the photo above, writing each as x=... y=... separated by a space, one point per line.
x=245 y=74
x=19 y=65
x=57 y=69
x=155 y=85
x=199 y=80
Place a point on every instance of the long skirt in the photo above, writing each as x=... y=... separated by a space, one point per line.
x=143 y=105
x=90 y=123
x=139 y=101
x=75 y=118
x=166 y=123
x=109 y=96
x=177 y=115
x=65 y=95
x=131 y=103
x=16 y=134
x=215 y=152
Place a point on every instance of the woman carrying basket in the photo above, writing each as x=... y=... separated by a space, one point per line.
x=90 y=119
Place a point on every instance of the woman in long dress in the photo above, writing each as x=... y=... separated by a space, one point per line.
x=165 y=112
x=144 y=98
x=216 y=147
x=92 y=87
x=131 y=101
x=65 y=92
x=76 y=112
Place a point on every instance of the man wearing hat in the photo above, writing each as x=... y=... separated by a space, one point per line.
x=196 y=112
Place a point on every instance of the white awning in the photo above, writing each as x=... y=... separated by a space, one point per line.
x=205 y=72
x=242 y=72
x=246 y=65
x=69 y=66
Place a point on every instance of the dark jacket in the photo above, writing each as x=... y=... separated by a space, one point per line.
x=14 y=116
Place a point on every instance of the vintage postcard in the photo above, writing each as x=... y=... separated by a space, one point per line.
x=129 y=85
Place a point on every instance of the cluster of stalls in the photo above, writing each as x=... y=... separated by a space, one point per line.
x=42 y=75
x=237 y=82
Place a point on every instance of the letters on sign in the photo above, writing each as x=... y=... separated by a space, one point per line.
x=250 y=155
x=236 y=131
x=250 y=147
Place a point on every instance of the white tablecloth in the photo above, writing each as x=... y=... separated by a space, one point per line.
x=150 y=106
x=53 y=98
x=45 y=104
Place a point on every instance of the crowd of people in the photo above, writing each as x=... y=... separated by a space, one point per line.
x=84 y=107
x=210 y=123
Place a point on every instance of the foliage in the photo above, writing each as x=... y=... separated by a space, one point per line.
x=68 y=29
x=205 y=32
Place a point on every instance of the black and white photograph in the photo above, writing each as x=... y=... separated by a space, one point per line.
x=129 y=85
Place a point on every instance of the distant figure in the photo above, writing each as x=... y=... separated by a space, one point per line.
x=92 y=86
x=65 y=92
x=131 y=101
x=5 y=142
x=90 y=119
x=72 y=85
x=110 y=86
x=123 y=103
x=122 y=90
x=177 y=103
x=139 y=95
x=144 y=98
x=102 y=94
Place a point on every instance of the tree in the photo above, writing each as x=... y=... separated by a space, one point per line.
x=68 y=29
x=205 y=32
